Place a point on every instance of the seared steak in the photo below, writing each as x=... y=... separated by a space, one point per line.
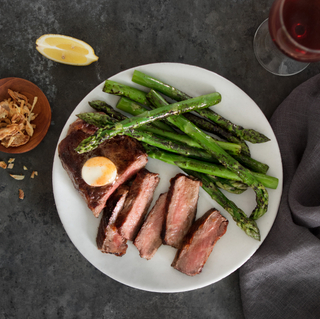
x=181 y=208
x=79 y=124
x=137 y=203
x=125 y=152
x=149 y=238
x=108 y=238
x=199 y=242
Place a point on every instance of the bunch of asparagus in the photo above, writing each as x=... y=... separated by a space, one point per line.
x=182 y=140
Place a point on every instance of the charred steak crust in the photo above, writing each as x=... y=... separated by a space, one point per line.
x=79 y=124
x=108 y=238
x=125 y=152
x=137 y=203
x=149 y=238
x=199 y=242
x=181 y=208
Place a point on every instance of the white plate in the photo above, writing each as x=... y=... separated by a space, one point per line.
x=233 y=249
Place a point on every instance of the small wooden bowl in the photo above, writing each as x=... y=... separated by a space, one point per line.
x=42 y=108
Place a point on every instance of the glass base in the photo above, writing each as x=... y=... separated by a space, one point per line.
x=270 y=57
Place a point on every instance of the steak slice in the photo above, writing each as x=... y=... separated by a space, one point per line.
x=108 y=238
x=137 y=203
x=126 y=153
x=199 y=242
x=181 y=208
x=149 y=238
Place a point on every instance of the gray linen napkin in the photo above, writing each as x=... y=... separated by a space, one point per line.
x=282 y=279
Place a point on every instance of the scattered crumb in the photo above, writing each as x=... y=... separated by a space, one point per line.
x=10 y=165
x=17 y=177
x=33 y=174
x=3 y=165
x=21 y=194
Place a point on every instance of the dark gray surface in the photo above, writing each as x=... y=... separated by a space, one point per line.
x=42 y=275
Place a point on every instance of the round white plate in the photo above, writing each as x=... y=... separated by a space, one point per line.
x=233 y=249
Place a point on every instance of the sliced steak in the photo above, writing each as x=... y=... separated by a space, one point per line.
x=181 y=208
x=199 y=242
x=108 y=238
x=137 y=203
x=126 y=153
x=149 y=238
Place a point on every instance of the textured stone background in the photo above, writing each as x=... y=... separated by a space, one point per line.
x=42 y=275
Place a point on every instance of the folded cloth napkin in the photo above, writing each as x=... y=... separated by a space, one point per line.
x=282 y=279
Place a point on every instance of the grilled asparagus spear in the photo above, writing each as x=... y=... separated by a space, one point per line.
x=102 y=134
x=152 y=83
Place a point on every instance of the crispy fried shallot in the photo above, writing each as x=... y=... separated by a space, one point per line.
x=17 y=177
x=33 y=174
x=21 y=194
x=3 y=165
x=16 y=114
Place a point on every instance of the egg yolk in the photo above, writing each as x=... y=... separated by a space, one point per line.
x=99 y=171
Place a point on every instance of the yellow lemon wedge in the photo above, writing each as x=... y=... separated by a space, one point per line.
x=65 y=49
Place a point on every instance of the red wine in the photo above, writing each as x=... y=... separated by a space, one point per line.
x=295 y=28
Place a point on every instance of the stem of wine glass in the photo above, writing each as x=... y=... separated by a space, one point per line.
x=270 y=57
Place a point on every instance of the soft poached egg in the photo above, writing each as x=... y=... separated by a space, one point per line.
x=99 y=171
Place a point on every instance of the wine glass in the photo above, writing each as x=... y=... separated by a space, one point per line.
x=289 y=40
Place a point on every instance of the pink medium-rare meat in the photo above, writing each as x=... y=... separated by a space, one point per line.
x=181 y=208
x=137 y=203
x=126 y=153
x=108 y=238
x=199 y=242
x=149 y=237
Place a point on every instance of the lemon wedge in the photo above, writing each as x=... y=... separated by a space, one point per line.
x=65 y=49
